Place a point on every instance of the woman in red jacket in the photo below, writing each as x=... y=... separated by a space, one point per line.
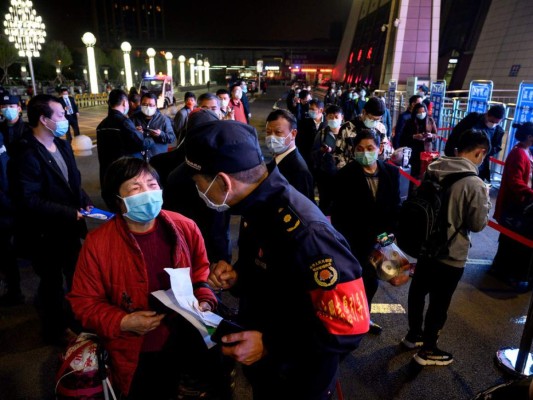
x=513 y=260
x=120 y=264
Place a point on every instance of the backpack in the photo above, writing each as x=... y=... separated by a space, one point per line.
x=423 y=225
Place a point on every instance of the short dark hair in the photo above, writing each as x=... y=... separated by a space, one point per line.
x=523 y=131
x=63 y=89
x=414 y=98
x=222 y=91
x=286 y=115
x=316 y=102
x=134 y=97
x=189 y=95
x=472 y=139
x=119 y=172
x=40 y=105
x=150 y=96
x=374 y=106
x=367 y=134
x=334 y=110
x=116 y=96
x=207 y=96
x=497 y=111
x=303 y=94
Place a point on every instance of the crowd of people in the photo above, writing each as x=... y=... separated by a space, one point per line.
x=172 y=210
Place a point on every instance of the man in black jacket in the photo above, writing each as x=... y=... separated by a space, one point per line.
x=47 y=194
x=71 y=112
x=308 y=129
x=487 y=123
x=280 y=141
x=117 y=136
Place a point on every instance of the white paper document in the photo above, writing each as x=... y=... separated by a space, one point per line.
x=180 y=298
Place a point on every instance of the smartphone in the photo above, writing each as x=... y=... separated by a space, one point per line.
x=157 y=306
x=226 y=327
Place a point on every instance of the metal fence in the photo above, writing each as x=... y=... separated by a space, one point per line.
x=90 y=100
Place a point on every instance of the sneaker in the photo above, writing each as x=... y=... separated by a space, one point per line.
x=433 y=357
x=412 y=341
x=374 y=328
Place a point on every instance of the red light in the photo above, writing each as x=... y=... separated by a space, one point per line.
x=351 y=57
x=359 y=55
x=369 y=54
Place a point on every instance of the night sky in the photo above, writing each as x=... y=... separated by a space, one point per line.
x=211 y=21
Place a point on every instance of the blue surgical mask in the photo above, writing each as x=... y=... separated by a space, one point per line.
x=312 y=114
x=143 y=207
x=370 y=123
x=10 y=113
x=217 y=207
x=244 y=89
x=61 y=127
x=366 y=158
x=421 y=116
x=334 y=123
x=276 y=145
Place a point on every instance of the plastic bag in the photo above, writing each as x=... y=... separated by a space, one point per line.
x=390 y=262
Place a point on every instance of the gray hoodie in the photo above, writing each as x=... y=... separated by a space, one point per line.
x=468 y=207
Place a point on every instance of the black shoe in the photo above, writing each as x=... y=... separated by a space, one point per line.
x=433 y=357
x=412 y=341
x=375 y=329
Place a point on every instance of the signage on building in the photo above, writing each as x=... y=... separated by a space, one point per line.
x=437 y=92
x=479 y=96
x=524 y=108
x=391 y=95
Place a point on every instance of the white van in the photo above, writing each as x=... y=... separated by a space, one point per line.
x=162 y=86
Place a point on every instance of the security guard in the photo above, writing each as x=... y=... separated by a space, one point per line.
x=302 y=301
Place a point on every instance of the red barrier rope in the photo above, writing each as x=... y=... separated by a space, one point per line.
x=513 y=235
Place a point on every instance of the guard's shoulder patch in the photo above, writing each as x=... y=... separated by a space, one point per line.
x=290 y=221
x=324 y=272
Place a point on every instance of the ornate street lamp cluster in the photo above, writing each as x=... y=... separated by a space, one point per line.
x=26 y=30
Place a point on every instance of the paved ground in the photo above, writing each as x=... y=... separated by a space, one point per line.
x=485 y=315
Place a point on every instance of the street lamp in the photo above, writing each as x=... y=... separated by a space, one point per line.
x=168 y=56
x=191 y=65
x=122 y=73
x=151 y=55
x=206 y=68
x=126 y=48
x=106 y=73
x=23 y=72
x=26 y=29
x=85 y=75
x=200 y=74
x=89 y=41
x=182 y=60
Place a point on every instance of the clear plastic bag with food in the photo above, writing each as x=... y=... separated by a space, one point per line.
x=390 y=262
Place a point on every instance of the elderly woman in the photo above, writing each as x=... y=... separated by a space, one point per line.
x=120 y=264
x=514 y=196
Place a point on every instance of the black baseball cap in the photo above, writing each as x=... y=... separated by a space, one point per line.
x=222 y=146
x=9 y=99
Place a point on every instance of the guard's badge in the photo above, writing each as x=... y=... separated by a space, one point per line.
x=324 y=272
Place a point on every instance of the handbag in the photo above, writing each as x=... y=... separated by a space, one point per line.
x=83 y=371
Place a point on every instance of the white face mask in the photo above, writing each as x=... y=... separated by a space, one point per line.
x=237 y=95
x=370 y=123
x=276 y=144
x=217 y=207
x=148 y=110
x=421 y=116
x=224 y=103
x=65 y=96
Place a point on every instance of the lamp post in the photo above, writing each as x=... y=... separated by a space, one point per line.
x=168 y=56
x=106 y=73
x=23 y=72
x=126 y=48
x=136 y=77
x=85 y=75
x=89 y=41
x=182 y=60
x=259 y=68
x=151 y=54
x=200 y=74
x=26 y=30
x=122 y=76
x=206 y=69
x=191 y=65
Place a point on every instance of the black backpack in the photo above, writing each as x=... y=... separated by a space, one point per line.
x=422 y=227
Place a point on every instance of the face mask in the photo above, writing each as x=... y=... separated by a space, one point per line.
x=238 y=96
x=313 y=114
x=421 y=116
x=275 y=144
x=370 y=123
x=490 y=125
x=65 y=96
x=366 y=158
x=339 y=92
x=363 y=93
x=61 y=128
x=350 y=96
x=10 y=113
x=148 y=110
x=244 y=89
x=217 y=207
x=143 y=207
x=355 y=96
x=126 y=110
x=224 y=103
x=334 y=123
